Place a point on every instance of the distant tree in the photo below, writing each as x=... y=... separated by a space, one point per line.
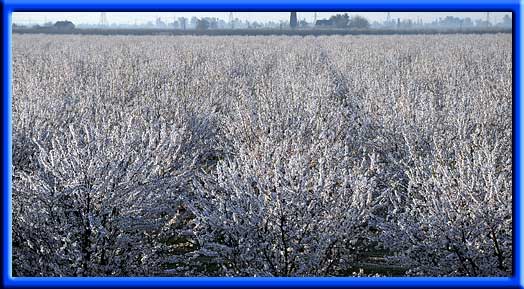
x=506 y=21
x=202 y=24
x=467 y=22
x=64 y=25
x=159 y=23
x=482 y=23
x=340 y=20
x=406 y=24
x=213 y=22
x=303 y=23
x=256 y=25
x=18 y=26
x=183 y=22
x=358 y=22
x=193 y=22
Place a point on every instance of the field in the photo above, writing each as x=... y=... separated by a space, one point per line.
x=262 y=155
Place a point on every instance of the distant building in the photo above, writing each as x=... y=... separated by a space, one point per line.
x=293 y=22
x=325 y=23
x=66 y=25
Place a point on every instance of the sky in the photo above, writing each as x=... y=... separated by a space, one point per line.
x=144 y=17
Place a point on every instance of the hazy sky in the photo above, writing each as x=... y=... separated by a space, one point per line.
x=143 y=17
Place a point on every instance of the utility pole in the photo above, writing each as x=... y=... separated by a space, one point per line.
x=487 y=19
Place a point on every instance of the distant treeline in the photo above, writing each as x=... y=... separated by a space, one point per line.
x=253 y=32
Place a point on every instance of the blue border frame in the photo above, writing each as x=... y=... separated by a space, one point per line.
x=514 y=6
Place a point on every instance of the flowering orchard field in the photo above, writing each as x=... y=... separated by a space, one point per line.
x=262 y=156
